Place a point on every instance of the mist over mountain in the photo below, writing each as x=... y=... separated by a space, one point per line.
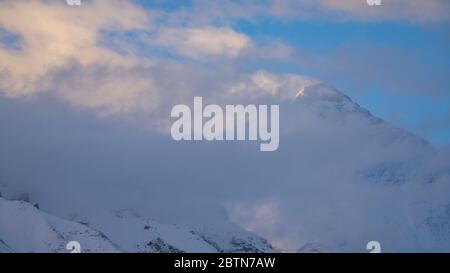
x=340 y=178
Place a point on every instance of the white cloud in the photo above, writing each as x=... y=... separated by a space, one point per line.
x=108 y=89
x=415 y=11
x=265 y=217
x=54 y=36
x=61 y=51
x=204 y=42
x=279 y=86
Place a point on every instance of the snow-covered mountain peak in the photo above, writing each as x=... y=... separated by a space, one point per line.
x=321 y=92
x=323 y=98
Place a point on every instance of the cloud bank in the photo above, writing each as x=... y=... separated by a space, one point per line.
x=346 y=179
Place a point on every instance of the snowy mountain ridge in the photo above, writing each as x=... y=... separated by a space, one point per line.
x=25 y=228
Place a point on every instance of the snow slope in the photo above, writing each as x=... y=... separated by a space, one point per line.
x=24 y=228
x=135 y=233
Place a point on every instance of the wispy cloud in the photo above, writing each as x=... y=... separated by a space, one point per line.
x=413 y=11
x=396 y=10
x=203 y=42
